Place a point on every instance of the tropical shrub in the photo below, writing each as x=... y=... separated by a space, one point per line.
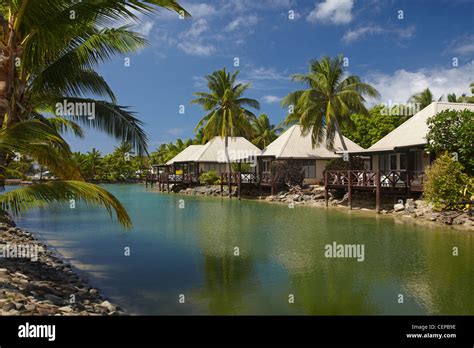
x=453 y=131
x=209 y=178
x=287 y=172
x=446 y=183
x=244 y=167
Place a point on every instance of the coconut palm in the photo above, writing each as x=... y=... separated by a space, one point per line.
x=329 y=100
x=424 y=98
x=45 y=145
x=93 y=161
x=227 y=115
x=49 y=50
x=264 y=132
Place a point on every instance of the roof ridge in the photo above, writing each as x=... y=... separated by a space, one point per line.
x=205 y=146
x=292 y=128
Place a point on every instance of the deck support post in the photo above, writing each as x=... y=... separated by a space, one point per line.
x=239 y=187
x=326 y=188
x=349 y=190
x=377 y=192
x=222 y=184
x=230 y=184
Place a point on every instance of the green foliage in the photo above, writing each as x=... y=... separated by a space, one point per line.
x=165 y=152
x=453 y=131
x=446 y=183
x=209 y=178
x=244 y=167
x=424 y=98
x=366 y=130
x=356 y=163
x=264 y=132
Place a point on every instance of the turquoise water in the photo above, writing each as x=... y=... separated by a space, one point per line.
x=191 y=251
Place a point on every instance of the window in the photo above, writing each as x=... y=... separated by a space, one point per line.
x=392 y=162
x=266 y=166
x=403 y=161
x=309 y=168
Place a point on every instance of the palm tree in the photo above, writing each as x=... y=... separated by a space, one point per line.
x=423 y=98
x=93 y=161
x=328 y=101
x=48 y=58
x=47 y=146
x=264 y=132
x=226 y=113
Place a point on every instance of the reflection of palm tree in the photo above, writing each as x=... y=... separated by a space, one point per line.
x=226 y=279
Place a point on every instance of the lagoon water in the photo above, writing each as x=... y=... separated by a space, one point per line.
x=190 y=251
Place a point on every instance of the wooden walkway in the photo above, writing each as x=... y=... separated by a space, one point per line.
x=400 y=181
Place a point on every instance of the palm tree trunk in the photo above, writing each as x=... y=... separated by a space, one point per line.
x=341 y=138
x=226 y=142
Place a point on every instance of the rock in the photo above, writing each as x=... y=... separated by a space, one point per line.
x=93 y=292
x=398 y=207
x=108 y=305
x=8 y=307
x=54 y=299
x=66 y=309
x=410 y=205
x=30 y=307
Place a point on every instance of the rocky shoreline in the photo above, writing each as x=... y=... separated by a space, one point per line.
x=35 y=281
x=314 y=196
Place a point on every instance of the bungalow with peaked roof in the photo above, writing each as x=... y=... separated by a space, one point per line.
x=404 y=149
x=189 y=164
x=398 y=160
x=293 y=144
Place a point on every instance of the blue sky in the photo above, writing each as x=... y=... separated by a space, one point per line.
x=399 y=56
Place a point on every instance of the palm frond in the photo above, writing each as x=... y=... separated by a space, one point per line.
x=21 y=200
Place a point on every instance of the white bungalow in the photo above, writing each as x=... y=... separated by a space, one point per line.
x=404 y=148
x=292 y=144
x=197 y=159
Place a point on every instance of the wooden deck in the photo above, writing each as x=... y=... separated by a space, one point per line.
x=401 y=181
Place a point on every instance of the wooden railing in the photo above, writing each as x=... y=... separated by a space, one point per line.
x=236 y=178
x=368 y=178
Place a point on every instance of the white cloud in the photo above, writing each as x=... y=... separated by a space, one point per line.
x=263 y=73
x=144 y=28
x=271 y=99
x=361 y=32
x=199 y=10
x=242 y=22
x=332 y=11
x=463 y=45
x=197 y=28
x=402 y=84
x=197 y=48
